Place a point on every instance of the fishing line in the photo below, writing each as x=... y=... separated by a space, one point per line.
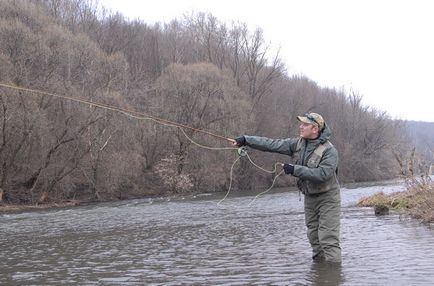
x=131 y=113
x=274 y=171
x=267 y=190
x=230 y=181
x=142 y=116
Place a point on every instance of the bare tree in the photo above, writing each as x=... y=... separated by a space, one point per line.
x=201 y=96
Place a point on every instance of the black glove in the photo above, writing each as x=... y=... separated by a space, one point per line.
x=288 y=168
x=241 y=141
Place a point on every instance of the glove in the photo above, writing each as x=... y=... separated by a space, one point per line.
x=241 y=141
x=288 y=168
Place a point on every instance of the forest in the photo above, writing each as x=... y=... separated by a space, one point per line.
x=196 y=71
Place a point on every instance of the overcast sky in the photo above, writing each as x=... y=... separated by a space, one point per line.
x=382 y=50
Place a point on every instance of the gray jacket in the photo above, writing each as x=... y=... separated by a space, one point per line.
x=313 y=177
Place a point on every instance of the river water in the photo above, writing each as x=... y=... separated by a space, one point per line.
x=195 y=241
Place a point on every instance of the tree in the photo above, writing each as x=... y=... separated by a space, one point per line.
x=201 y=96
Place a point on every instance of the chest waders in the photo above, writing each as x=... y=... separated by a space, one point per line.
x=321 y=207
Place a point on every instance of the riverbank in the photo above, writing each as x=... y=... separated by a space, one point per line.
x=417 y=201
x=6 y=208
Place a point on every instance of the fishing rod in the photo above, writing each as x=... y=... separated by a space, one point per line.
x=117 y=109
x=242 y=151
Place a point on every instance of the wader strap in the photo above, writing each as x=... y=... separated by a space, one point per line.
x=319 y=151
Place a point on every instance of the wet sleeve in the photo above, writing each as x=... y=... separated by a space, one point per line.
x=282 y=146
x=325 y=170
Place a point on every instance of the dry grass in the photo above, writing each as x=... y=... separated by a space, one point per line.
x=417 y=200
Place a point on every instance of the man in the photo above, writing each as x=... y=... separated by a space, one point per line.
x=315 y=167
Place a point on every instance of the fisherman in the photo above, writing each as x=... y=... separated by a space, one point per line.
x=315 y=167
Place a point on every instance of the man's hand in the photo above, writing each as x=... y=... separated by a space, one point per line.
x=288 y=168
x=240 y=141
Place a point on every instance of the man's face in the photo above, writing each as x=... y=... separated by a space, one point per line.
x=308 y=131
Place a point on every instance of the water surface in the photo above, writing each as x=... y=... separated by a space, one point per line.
x=195 y=241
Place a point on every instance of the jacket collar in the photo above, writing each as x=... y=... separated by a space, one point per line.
x=323 y=137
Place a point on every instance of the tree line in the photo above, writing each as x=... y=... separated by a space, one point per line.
x=196 y=71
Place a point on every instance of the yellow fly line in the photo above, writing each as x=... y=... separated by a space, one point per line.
x=143 y=116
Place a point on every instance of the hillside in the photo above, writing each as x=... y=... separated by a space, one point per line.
x=422 y=134
x=195 y=71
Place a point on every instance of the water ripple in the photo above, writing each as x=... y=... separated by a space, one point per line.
x=198 y=242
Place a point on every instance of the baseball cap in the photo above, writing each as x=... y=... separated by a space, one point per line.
x=312 y=118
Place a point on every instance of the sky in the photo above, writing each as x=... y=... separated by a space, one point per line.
x=380 y=50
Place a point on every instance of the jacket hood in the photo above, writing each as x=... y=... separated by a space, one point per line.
x=325 y=134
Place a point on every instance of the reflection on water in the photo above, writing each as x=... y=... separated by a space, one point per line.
x=196 y=241
x=325 y=274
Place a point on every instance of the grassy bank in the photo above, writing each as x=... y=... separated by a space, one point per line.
x=417 y=200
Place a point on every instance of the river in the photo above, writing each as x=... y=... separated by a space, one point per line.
x=195 y=241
